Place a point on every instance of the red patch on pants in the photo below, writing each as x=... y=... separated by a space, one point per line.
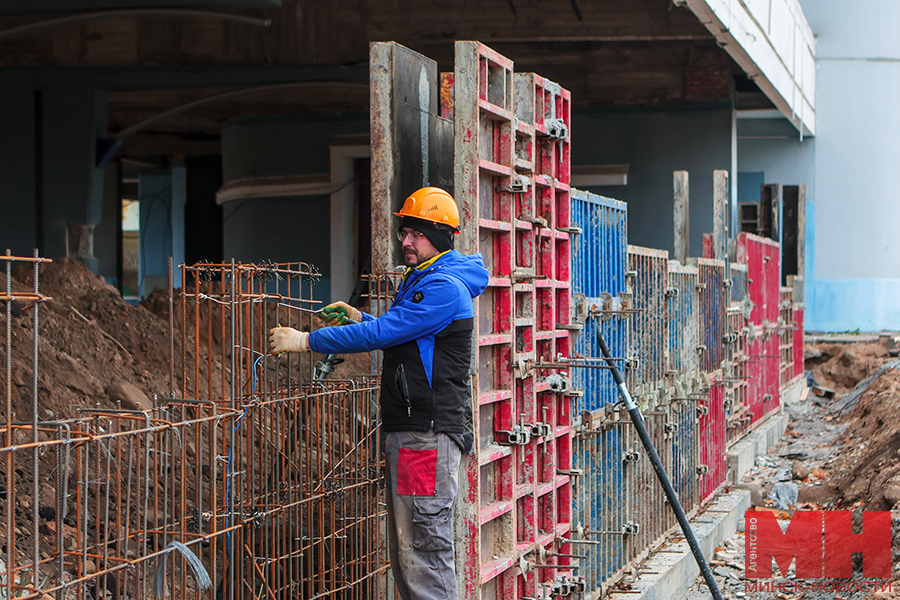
x=416 y=472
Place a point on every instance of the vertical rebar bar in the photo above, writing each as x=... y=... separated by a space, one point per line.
x=172 y=392
x=10 y=481
x=233 y=405
x=35 y=473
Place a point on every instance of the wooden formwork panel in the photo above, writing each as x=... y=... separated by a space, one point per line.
x=512 y=172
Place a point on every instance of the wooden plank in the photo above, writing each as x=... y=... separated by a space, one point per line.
x=682 y=217
x=721 y=212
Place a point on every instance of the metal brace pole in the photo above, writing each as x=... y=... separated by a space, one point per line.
x=672 y=497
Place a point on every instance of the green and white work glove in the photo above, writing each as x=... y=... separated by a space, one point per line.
x=340 y=313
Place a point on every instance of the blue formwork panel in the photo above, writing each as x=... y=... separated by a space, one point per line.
x=738 y=283
x=599 y=254
x=712 y=312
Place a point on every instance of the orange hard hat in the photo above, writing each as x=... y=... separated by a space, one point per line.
x=431 y=204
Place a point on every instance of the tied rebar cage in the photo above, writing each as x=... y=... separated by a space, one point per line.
x=252 y=481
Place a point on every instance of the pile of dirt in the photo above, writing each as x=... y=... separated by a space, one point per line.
x=868 y=466
x=211 y=337
x=840 y=366
x=95 y=349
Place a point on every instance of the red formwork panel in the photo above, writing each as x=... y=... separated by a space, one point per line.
x=512 y=170
x=713 y=439
x=762 y=257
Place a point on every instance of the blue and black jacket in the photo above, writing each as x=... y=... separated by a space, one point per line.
x=426 y=336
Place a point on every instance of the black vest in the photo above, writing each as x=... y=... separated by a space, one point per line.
x=408 y=403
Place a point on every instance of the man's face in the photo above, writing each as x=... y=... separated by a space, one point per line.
x=416 y=247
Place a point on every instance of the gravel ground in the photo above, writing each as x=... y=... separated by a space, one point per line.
x=812 y=444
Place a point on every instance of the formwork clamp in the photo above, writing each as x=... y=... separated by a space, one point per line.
x=540 y=430
x=566 y=586
x=558 y=382
x=571 y=229
x=557 y=129
x=517 y=436
x=631 y=456
x=518 y=184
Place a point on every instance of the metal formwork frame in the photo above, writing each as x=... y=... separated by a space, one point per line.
x=762 y=257
x=786 y=336
x=736 y=367
x=512 y=171
x=602 y=506
x=683 y=293
x=647 y=377
x=713 y=421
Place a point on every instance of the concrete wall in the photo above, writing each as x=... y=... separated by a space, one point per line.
x=857 y=254
x=654 y=144
x=282 y=229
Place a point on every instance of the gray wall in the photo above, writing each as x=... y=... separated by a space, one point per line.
x=654 y=144
x=282 y=229
x=74 y=106
x=857 y=257
x=773 y=147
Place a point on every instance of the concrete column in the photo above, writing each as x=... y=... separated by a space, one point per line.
x=682 y=217
x=74 y=116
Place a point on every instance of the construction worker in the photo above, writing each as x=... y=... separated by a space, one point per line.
x=426 y=409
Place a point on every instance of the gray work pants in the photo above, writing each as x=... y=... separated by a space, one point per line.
x=422 y=480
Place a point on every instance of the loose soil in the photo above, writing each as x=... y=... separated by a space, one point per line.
x=842 y=457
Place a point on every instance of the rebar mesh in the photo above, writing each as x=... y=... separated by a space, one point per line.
x=270 y=479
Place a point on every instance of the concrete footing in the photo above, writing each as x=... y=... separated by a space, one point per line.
x=741 y=457
x=669 y=573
